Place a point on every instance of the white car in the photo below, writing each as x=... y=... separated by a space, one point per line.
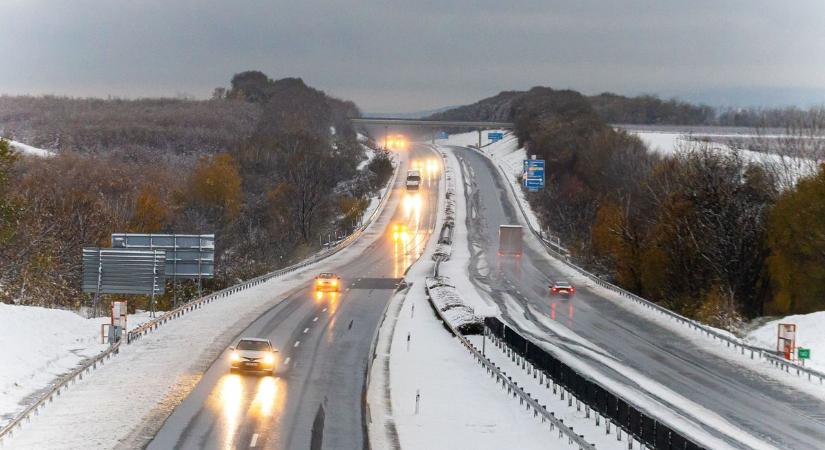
x=253 y=355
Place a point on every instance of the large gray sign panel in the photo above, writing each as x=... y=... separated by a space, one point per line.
x=187 y=255
x=121 y=271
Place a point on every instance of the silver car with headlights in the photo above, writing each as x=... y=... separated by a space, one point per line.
x=253 y=355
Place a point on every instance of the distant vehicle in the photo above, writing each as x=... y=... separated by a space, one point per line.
x=413 y=180
x=562 y=288
x=253 y=355
x=328 y=282
x=509 y=240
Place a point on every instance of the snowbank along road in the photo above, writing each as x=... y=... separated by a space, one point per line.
x=317 y=399
x=676 y=375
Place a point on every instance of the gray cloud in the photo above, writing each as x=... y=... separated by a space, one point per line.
x=408 y=55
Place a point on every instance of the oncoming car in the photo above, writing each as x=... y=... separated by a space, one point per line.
x=253 y=355
x=328 y=282
x=562 y=288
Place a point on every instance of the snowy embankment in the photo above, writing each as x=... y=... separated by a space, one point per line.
x=31 y=151
x=809 y=334
x=130 y=396
x=39 y=346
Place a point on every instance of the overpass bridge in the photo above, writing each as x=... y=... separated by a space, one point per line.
x=432 y=124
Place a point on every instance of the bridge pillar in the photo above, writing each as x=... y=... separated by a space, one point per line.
x=479 y=139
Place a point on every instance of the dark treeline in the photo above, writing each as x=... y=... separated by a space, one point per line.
x=648 y=110
x=266 y=165
x=704 y=232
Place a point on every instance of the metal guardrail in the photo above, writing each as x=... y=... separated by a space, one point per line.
x=140 y=331
x=762 y=353
x=512 y=387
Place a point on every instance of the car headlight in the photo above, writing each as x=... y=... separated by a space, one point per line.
x=234 y=356
x=335 y=282
x=269 y=359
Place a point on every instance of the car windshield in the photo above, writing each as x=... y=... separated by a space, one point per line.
x=563 y=284
x=326 y=275
x=254 y=345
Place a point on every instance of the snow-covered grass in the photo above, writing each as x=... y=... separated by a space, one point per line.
x=31 y=151
x=40 y=345
x=809 y=334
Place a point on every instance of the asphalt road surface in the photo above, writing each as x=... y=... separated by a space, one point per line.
x=775 y=413
x=316 y=399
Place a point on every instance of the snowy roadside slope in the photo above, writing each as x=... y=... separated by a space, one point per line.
x=138 y=389
x=809 y=334
x=31 y=151
x=40 y=345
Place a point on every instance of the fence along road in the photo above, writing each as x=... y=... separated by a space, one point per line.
x=753 y=402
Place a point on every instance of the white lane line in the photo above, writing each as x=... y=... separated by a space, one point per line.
x=286 y=361
x=305 y=330
x=254 y=440
x=297 y=343
x=315 y=319
x=323 y=310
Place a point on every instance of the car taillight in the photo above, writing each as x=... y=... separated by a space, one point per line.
x=555 y=289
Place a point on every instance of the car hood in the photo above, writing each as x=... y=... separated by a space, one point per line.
x=252 y=353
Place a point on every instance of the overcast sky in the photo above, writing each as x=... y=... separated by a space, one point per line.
x=399 y=56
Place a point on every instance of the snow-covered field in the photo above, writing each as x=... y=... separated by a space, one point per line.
x=41 y=344
x=809 y=334
x=136 y=390
x=667 y=143
x=32 y=151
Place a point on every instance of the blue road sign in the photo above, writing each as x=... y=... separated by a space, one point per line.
x=495 y=136
x=443 y=135
x=533 y=174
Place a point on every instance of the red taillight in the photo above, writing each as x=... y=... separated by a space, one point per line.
x=555 y=289
x=573 y=289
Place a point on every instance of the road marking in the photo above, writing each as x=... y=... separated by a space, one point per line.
x=297 y=343
x=315 y=319
x=323 y=310
x=305 y=330
x=286 y=361
x=254 y=440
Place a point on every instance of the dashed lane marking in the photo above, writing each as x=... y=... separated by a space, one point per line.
x=254 y=440
x=297 y=343
x=286 y=361
x=305 y=330
x=315 y=319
